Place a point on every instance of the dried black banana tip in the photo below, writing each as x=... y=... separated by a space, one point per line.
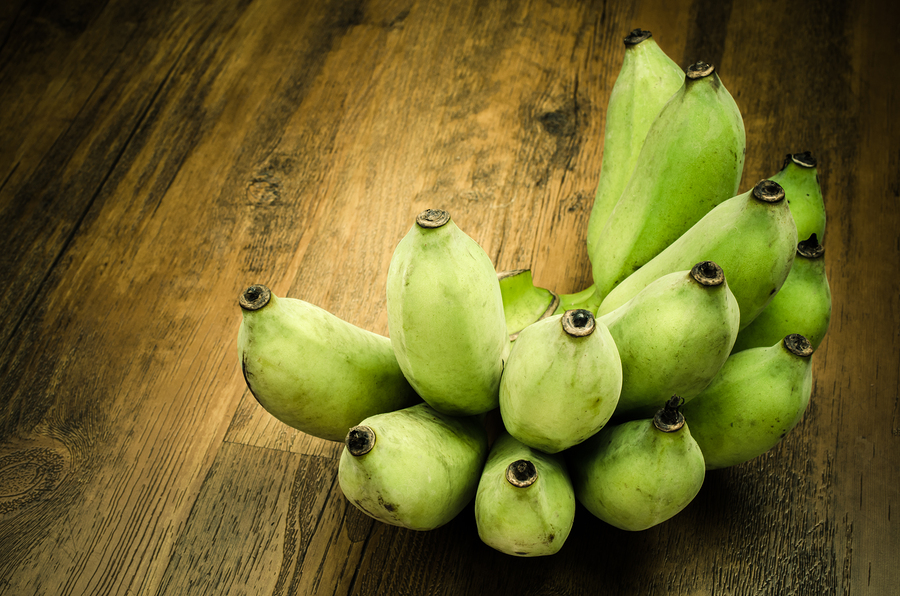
x=708 y=273
x=810 y=248
x=432 y=218
x=521 y=473
x=637 y=36
x=804 y=160
x=255 y=297
x=699 y=70
x=669 y=419
x=768 y=191
x=798 y=345
x=360 y=440
x=578 y=322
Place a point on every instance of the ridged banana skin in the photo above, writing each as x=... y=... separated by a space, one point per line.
x=634 y=476
x=692 y=160
x=673 y=337
x=752 y=241
x=423 y=470
x=532 y=521
x=558 y=390
x=316 y=372
x=758 y=397
x=802 y=305
x=647 y=80
x=804 y=197
x=446 y=319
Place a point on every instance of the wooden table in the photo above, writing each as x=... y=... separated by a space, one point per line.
x=158 y=157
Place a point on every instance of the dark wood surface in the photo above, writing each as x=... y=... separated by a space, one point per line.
x=158 y=157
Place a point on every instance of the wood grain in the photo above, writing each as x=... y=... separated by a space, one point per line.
x=159 y=157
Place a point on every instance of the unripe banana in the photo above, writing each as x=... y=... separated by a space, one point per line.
x=415 y=468
x=756 y=399
x=802 y=305
x=673 y=337
x=691 y=161
x=561 y=382
x=751 y=236
x=640 y=473
x=800 y=181
x=647 y=80
x=313 y=371
x=525 y=503
x=523 y=302
x=445 y=316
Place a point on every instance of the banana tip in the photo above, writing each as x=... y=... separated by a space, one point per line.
x=255 y=297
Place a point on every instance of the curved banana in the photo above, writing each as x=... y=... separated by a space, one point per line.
x=756 y=399
x=561 y=382
x=313 y=371
x=415 y=468
x=445 y=316
x=646 y=81
x=691 y=161
x=800 y=180
x=751 y=236
x=639 y=473
x=802 y=305
x=525 y=503
x=673 y=337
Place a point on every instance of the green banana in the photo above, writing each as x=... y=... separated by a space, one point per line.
x=561 y=382
x=523 y=302
x=756 y=399
x=416 y=468
x=802 y=305
x=673 y=337
x=646 y=81
x=751 y=236
x=639 y=473
x=800 y=181
x=445 y=316
x=525 y=503
x=313 y=371
x=692 y=160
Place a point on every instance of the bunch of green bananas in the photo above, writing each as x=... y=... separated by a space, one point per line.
x=690 y=351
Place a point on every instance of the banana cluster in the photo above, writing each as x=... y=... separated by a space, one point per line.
x=690 y=351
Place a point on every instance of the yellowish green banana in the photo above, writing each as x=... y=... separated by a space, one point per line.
x=525 y=503
x=639 y=473
x=751 y=236
x=445 y=316
x=415 y=468
x=800 y=180
x=673 y=337
x=692 y=160
x=646 y=81
x=561 y=383
x=756 y=399
x=802 y=305
x=313 y=371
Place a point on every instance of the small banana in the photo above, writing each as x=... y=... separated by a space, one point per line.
x=692 y=160
x=445 y=316
x=800 y=180
x=415 y=468
x=561 y=382
x=756 y=399
x=751 y=236
x=639 y=473
x=525 y=503
x=312 y=370
x=646 y=81
x=673 y=337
